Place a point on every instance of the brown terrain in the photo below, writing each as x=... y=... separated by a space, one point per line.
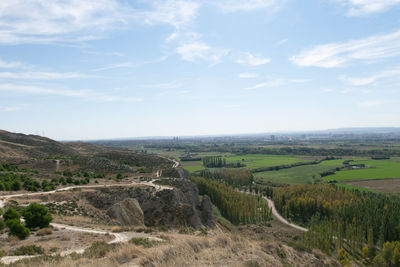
x=125 y=217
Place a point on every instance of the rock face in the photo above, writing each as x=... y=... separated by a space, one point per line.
x=207 y=216
x=177 y=207
x=127 y=213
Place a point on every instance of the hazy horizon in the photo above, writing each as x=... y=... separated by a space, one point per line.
x=84 y=70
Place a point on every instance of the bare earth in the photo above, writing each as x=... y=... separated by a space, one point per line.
x=383 y=185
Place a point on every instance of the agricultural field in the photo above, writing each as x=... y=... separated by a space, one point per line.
x=376 y=169
x=391 y=186
x=297 y=175
x=254 y=161
x=192 y=166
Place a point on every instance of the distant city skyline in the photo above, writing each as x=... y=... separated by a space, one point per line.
x=85 y=70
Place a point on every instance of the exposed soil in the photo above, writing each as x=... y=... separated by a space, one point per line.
x=383 y=185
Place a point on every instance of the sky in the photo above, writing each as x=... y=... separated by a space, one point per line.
x=84 y=69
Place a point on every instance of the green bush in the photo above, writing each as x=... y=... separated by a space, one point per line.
x=98 y=250
x=11 y=214
x=17 y=229
x=27 y=250
x=140 y=241
x=2 y=224
x=37 y=215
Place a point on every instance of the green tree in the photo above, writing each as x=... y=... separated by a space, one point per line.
x=11 y=214
x=37 y=215
x=17 y=229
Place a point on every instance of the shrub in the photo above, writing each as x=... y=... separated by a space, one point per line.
x=17 y=229
x=44 y=231
x=11 y=214
x=140 y=241
x=37 y=215
x=2 y=224
x=97 y=250
x=27 y=250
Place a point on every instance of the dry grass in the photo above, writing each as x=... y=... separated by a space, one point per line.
x=216 y=249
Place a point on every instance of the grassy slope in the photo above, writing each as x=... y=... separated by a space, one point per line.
x=297 y=175
x=382 y=169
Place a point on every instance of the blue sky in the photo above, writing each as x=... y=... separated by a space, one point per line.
x=83 y=69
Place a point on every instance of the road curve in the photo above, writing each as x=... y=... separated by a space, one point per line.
x=276 y=214
x=118 y=237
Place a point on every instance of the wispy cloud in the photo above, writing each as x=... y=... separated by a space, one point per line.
x=276 y=83
x=11 y=108
x=371 y=103
x=339 y=54
x=248 y=5
x=283 y=41
x=359 y=81
x=87 y=94
x=367 y=7
x=175 y=12
x=268 y=84
x=51 y=21
x=168 y=85
x=252 y=60
x=42 y=75
x=198 y=50
x=11 y=65
x=116 y=66
x=247 y=75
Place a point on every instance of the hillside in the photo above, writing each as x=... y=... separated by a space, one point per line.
x=112 y=207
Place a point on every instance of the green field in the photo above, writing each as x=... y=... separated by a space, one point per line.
x=192 y=166
x=380 y=169
x=297 y=175
x=254 y=161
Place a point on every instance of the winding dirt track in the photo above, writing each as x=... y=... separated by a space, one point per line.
x=118 y=237
x=280 y=218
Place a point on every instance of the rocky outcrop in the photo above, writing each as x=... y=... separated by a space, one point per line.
x=177 y=207
x=127 y=213
x=207 y=215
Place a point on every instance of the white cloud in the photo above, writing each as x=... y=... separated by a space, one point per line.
x=247 y=75
x=174 y=12
x=248 y=5
x=339 y=54
x=11 y=65
x=168 y=85
x=252 y=60
x=45 y=21
x=283 y=41
x=198 y=50
x=366 y=7
x=87 y=94
x=371 y=103
x=359 y=81
x=11 y=108
x=276 y=83
x=268 y=84
x=42 y=75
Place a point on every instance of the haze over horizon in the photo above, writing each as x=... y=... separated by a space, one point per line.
x=80 y=69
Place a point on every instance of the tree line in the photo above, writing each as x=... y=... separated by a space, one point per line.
x=237 y=207
x=342 y=220
x=235 y=178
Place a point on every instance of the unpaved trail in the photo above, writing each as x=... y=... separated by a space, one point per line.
x=122 y=237
x=118 y=237
x=150 y=183
x=276 y=214
x=57 y=165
